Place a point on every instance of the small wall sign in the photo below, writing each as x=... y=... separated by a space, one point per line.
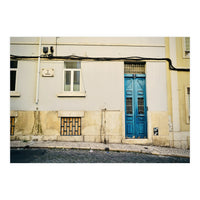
x=155 y=131
x=47 y=72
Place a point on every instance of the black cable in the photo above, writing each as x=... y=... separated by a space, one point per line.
x=132 y=58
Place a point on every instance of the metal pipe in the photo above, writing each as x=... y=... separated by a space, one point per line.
x=38 y=73
x=103 y=126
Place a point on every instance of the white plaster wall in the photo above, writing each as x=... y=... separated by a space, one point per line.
x=49 y=87
x=25 y=86
x=156 y=86
x=104 y=84
x=148 y=41
x=91 y=46
x=102 y=81
x=24 y=50
x=24 y=40
x=110 y=51
x=91 y=51
x=145 y=41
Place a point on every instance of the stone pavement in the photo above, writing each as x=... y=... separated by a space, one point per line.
x=155 y=150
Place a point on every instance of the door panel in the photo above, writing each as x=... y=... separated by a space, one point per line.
x=140 y=105
x=129 y=118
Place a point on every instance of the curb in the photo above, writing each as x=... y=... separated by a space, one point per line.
x=140 y=150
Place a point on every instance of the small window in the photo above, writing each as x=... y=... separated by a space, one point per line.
x=12 y=125
x=13 y=74
x=187 y=100
x=72 y=76
x=70 y=126
x=186 y=47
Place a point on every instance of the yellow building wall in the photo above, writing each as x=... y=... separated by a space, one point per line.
x=180 y=59
x=183 y=82
x=169 y=91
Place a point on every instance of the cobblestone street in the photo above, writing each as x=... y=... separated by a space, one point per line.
x=45 y=155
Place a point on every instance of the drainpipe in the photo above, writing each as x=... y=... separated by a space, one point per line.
x=37 y=130
x=101 y=129
x=38 y=73
x=104 y=127
x=103 y=124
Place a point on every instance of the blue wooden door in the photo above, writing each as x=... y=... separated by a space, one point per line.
x=135 y=106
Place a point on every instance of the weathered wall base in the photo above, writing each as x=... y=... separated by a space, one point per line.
x=104 y=126
x=96 y=126
x=159 y=120
x=180 y=140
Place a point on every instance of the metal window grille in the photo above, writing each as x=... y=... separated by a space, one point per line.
x=129 y=106
x=70 y=126
x=140 y=105
x=134 y=68
x=12 y=125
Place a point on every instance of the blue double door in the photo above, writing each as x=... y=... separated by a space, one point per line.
x=135 y=106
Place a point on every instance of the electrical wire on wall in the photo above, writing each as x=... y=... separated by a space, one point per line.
x=131 y=58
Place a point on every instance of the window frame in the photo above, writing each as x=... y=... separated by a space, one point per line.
x=186 y=54
x=72 y=80
x=12 y=125
x=71 y=92
x=72 y=70
x=187 y=104
x=14 y=93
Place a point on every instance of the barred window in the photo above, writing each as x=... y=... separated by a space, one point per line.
x=134 y=68
x=70 y=126
x=12 y=125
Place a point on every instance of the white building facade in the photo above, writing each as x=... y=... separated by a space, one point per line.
x=60 y=90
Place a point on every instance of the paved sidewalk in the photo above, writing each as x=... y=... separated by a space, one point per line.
x=155 y=150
